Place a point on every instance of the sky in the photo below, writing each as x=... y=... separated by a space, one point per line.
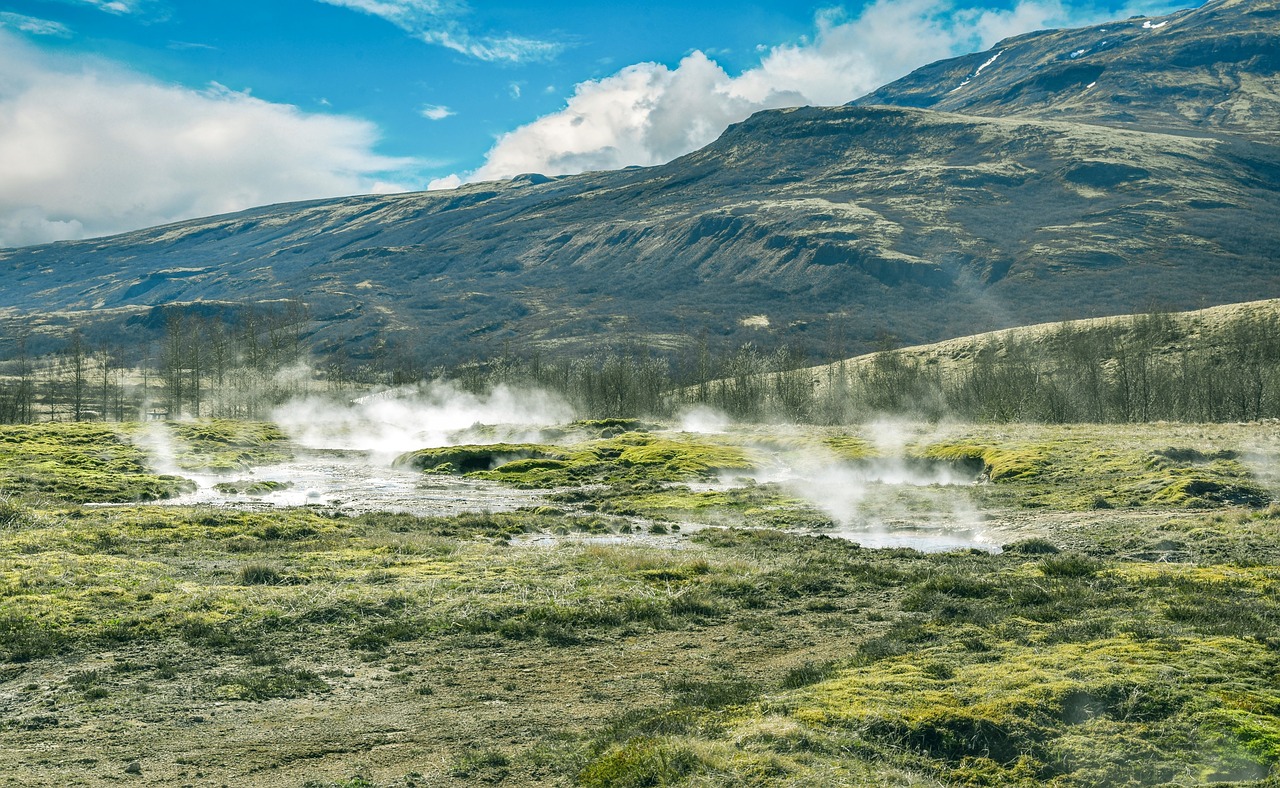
x=122 y=114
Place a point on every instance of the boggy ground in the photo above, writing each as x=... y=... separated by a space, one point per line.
x=1128 y=645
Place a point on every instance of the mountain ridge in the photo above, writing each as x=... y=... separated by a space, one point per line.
x=1101 y=74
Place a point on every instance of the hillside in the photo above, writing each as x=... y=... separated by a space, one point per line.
x=821 y=228
x=1197 y=332
x=1210 y=365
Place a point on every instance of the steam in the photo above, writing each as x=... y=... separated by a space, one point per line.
x=1262 y=457
x=886 y=500
x=155 y=440
x=703 y=419
x=398 y=420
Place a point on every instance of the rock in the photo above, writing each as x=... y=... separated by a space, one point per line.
x=133 y=768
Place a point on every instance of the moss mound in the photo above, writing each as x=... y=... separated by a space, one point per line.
x=472 y=457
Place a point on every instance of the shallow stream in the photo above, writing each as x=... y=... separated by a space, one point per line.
x=935 y=516
x=354 y=482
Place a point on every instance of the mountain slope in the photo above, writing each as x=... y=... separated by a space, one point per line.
x=1211 y=69
x=836 y=224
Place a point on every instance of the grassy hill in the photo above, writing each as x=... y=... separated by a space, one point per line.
x=1215 y=364
x=1200 y=332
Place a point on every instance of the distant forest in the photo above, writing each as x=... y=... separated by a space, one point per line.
x=1148 y=368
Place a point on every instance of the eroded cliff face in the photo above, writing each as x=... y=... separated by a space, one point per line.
x=1032 y=197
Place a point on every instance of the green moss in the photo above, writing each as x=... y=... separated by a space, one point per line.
x=79 y=462
x=608 y=428
x=1088 y=467
x=999 y=462
x=1200 y=491
x=623 y=461
x=225 y=445
x=850 y=447
x=251 y=487
x=471 y=458
x=679 y=458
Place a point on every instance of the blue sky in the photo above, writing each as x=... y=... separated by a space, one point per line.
x=120 y=114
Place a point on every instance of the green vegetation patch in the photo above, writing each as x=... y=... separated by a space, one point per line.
x=225 y=445
x=1000 y=462
x=80 y=462
x=471 y=458
x=673 y=459
x=624 y=474
x=251 y=487
x=1028 y=668
x=1081 y=467
x=274 y=682
x=1117 y=648
x=1089 y=711
x=850 y=447
x=609 y=428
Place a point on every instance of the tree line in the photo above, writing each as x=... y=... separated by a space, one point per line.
x=198 y=364
x=1149 y=368
x=1152 y=367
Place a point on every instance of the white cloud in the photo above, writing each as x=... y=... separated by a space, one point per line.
x=439 y=22
x=32 y=25
x=511 y=49
x=88 y=148
x=115 y=6
x=447 y=182
x=402 y=13
x=436 y=112
x=649 y=113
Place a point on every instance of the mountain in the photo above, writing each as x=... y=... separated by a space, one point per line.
x=921 y=211
x=1208 y=70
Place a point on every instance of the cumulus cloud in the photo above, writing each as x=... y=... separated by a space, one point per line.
x=439 y=22
x=90 y=148
x=447 y=182
x=649 y=113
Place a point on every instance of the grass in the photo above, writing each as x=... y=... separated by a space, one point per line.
x=1083 y=467
x=226 y=446
x=78 y=462
x=630 y=456
x=107 y=463
x=1131 y=646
